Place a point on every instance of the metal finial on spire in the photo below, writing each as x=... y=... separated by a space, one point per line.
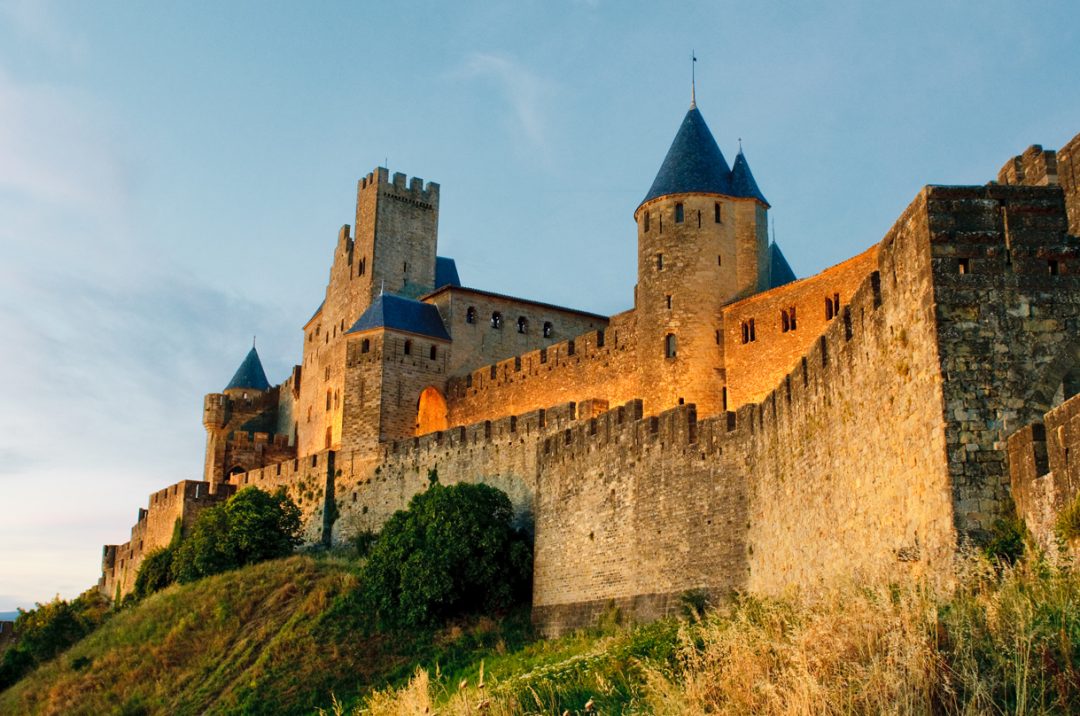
x=693 y=80
x=253 y=341
x=740 y=145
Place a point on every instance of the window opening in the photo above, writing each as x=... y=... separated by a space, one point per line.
x=963 y=266
x=522 y=324
x=365 y=346
x=470 y=315
x=408 y=348
x=434 y=352
x=670 y=345
x=659 y=262
x=496 y=320
x=678 y=213
x=548 y=329
x=646 y=221
x=716 y=212
x=1052 y=265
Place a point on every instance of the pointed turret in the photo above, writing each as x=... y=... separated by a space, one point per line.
x=742 y=180
x=250 y=375
x=694 y=162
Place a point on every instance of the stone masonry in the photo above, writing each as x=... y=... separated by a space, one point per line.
x=734 y=429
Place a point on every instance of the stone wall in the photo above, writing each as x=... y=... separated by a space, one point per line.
x=176 y=506
x=600 y=364
x=786 y=322
x=1007 y=308
x=1044 y=470
x=309 y=482
x=479 y=343
x=1068 y=167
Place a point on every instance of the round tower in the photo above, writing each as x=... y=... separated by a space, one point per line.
x=702 y=243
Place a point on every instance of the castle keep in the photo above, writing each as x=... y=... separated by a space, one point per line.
x=736 y=428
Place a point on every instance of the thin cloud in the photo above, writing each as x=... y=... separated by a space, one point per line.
x=527 y=93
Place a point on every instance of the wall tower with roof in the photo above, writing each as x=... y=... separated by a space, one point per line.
x=702 y=243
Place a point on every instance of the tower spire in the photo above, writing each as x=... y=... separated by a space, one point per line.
x=693 y=80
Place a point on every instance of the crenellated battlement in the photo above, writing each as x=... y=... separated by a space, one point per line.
x=401 y=187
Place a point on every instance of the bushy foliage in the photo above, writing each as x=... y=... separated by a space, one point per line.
x=1005 y=541
x=155 y=572
x=250 y=527
x=48 y=629
x=453 y=551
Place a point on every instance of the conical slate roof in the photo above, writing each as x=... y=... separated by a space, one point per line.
x=742 y=180
x=402 y=314
x=694 y=163
x=779 y=269
x=250 y=374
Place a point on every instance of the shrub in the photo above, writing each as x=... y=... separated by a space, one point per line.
x=452 y=552
x=155 y=572
x=250 y=527
x=45 y=631
x=1005 y=541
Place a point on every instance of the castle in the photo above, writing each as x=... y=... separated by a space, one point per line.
x=736 y=429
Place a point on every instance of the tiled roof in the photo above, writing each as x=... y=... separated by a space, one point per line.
x=779 y=270
x=742 y=180
x=693 y=163
x=402 y=314
x=446 y=272
x=250 y=374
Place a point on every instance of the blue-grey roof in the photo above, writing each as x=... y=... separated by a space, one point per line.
x=446 y=272
x=779 y=270
x=402 y=314
x=694 y=163
x=742 y=180
x=250 y=374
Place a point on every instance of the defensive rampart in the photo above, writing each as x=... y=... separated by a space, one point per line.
x=1045 y=472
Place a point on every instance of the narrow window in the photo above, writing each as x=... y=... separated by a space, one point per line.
x=494 y=372
x=1052 y=265
x=963 y=265
x=522 y=324
x=326 y=375
x=570 y=348
x=716 y=212
x=365 y=346
x=748 y=335
x=723 y=397
x=678 y=213
x=329 y=435
x=337 y=399
x=719 y=260
x=718 y=337
x=669 y=345
x=404 y=267
x=646 y=221
x=496 y=320
x=408 y=348
x=791 y=314
x=470 y=315
x=329 y=397
x=548 y=329
x=668 y=301
x=360 y=265
x=699 y=218
x=785 y=322
x=828 y=309
x=659 y=262
x=468 y=380
x=434 y=352
x=836 y=304
x=753 y=336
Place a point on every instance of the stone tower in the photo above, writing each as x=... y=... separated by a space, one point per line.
x=393 y=251
x=702 y=243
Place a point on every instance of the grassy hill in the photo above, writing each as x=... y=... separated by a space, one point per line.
x=275 y=638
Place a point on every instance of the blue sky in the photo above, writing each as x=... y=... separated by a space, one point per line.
x=173 y=175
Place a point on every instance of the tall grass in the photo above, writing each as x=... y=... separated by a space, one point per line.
x=1006 y=640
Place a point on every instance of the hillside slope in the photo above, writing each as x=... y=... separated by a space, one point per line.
x=264 y=639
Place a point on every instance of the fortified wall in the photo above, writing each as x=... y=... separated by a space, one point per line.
x=862 y=429
x=169 y=512
x=1045 y=472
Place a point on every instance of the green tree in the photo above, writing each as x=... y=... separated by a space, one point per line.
x=454 y=551
x=250 y=527
x=155 y=572
x=48 y=629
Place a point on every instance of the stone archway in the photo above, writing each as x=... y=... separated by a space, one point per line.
x=431 y=411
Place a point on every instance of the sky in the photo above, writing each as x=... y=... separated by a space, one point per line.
x=173 y=176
